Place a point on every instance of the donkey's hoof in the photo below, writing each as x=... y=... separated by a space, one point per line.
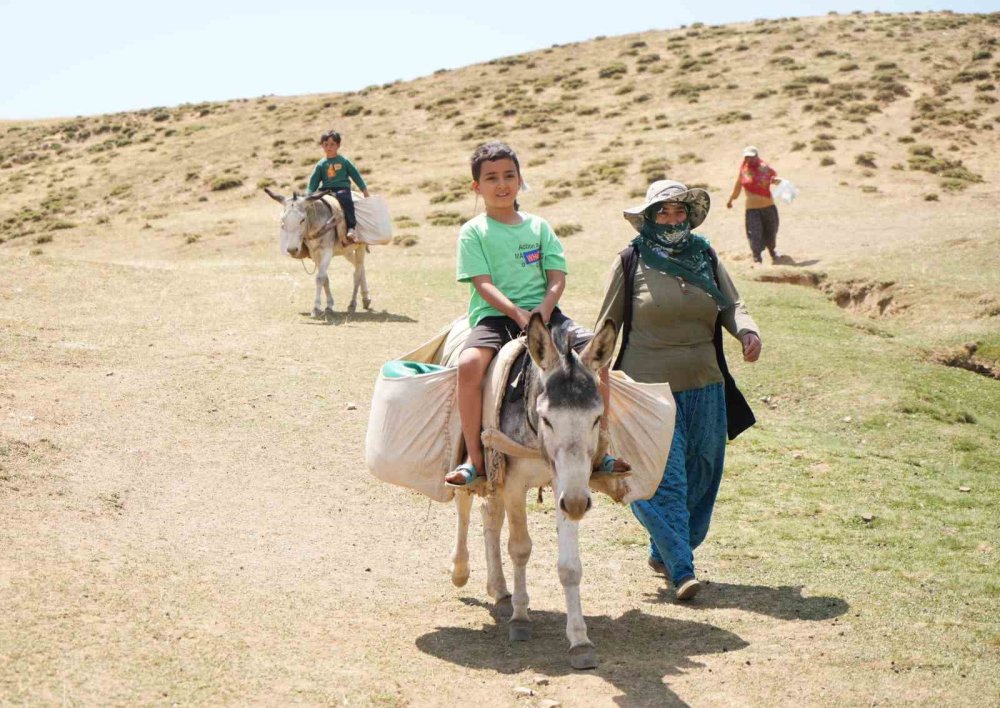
x=503 y=608
x=583 y=657
x=459 y=574
x=519 y=630
x=352 y=307
x=367 y=303
x=328 y=312
x=317 y=313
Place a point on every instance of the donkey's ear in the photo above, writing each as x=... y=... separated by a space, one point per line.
x=540 y=346
x=275 y=197
x=598 y=352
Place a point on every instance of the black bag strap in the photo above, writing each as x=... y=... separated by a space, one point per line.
x=630 y=263
x=739 y=415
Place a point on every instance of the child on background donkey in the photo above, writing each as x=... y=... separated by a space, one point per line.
x=334 y=173
x=515 y=265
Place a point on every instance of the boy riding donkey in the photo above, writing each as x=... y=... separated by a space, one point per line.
x=515 y=266
x=334 y=174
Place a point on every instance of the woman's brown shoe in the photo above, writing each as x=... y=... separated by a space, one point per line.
x=687 y=588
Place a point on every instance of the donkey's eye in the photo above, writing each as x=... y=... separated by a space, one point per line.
x=596 y=422
x=546 y=422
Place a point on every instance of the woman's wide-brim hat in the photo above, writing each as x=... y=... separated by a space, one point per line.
x=667 y=190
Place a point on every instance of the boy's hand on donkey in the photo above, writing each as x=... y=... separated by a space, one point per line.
x=545 y=312
x=521 y=316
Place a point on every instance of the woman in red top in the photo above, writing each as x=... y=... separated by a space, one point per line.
x=756 y=177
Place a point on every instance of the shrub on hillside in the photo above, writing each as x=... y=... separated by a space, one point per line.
x=654 y=168
x=222 y=183
x=445 y=218
x=564 y=230
x=613 y=71
x=865 y=159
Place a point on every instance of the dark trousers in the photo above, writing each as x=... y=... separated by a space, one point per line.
x=347 y=204
x=762 y=230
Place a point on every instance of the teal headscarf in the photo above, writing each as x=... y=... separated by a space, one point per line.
x=673 y=249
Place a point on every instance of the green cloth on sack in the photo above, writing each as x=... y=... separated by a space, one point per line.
x=401 y=369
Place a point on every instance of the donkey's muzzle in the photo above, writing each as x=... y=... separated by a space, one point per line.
x=576 y=506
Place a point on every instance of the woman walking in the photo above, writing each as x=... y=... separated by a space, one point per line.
x=673 y=298
x=756 y=177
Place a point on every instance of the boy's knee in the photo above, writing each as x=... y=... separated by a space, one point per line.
x=473 y=362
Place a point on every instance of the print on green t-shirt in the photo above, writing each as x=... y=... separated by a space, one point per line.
x=514 y=256
x=335 y=173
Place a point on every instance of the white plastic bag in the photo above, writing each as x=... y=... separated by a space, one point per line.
x=784 y=191
x=374 y=222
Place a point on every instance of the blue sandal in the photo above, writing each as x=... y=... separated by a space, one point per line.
x=607 y=466
x=469 y=475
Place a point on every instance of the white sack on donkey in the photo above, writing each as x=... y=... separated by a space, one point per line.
x=374 y=225
x=414 y=434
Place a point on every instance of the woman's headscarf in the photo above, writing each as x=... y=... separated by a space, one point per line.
x=675 y=250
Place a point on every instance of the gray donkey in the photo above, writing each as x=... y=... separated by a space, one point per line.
x=560 y=413
x=314 y=224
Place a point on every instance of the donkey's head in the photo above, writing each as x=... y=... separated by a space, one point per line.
x=299 y=219
x=569 y=407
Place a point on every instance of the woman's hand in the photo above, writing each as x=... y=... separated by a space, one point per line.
x=729 y=204
x=751 y=346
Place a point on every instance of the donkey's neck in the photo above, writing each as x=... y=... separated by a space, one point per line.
x=317 y=214
x=519 y=419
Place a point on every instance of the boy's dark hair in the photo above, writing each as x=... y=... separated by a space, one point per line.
x=488 y=152
x=330 y=135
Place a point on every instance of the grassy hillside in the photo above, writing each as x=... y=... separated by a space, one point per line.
x=180 y=449
x=888 y=124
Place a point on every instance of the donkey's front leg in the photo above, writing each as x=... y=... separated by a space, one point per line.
x=493 y=517
x=519 y=548
x=460 y=556
x=581 y=650
x=320 y=274
x=324 y=267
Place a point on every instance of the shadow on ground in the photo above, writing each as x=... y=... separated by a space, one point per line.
x=784 y=602
x=339 y=318
x=638 y=652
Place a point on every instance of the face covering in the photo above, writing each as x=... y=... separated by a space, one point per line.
x=673 y=249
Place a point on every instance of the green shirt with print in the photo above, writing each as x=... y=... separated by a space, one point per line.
x=335 y=173
x=514 y=256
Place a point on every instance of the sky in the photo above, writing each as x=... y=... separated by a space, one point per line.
x=65 y=58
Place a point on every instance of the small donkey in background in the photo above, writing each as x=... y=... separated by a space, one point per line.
x=311 y=227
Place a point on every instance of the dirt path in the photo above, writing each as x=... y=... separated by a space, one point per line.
x=186 y=519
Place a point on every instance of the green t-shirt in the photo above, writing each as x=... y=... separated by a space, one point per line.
x=335 y=173
x=515 y=257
